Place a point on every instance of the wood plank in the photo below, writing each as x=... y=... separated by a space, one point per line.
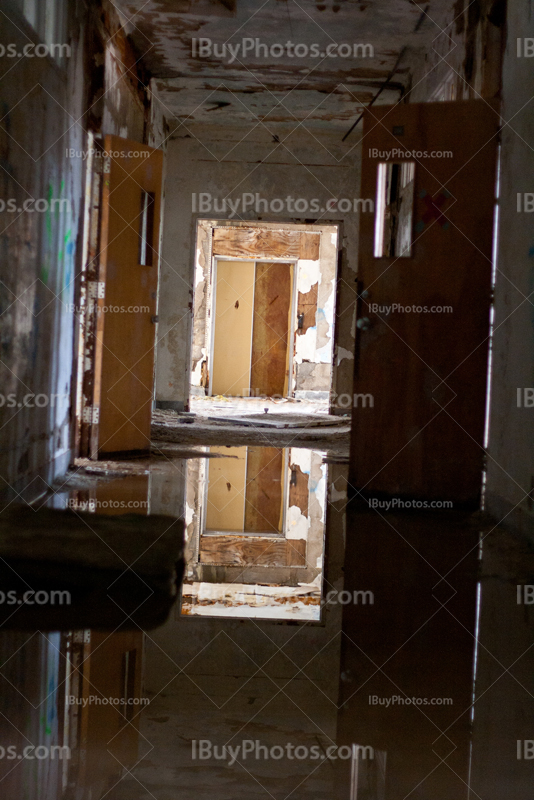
x=263 y=243
x=264 y=490
x=270 y=336
x=309 y=246
x=256 y=242
x=250 y=550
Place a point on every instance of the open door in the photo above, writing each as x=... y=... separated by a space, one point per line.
x=425 y=277
x=425 y=271
x=121 y=300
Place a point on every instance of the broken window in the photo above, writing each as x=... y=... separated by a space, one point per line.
x=394 y=209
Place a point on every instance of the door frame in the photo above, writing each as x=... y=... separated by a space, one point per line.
x=292 y=316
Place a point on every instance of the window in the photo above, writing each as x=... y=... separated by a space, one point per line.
x=394 y=209
x=146 y=229
x=48 y=18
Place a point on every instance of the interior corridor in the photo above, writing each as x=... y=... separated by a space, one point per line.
x=266 y=400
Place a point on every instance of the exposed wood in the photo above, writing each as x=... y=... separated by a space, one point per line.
x=264 y=243
x=124 y=352
x=254 y=551
x=427 y=371
x=270 y=336
x=307 y=309
x=88 y=555
x=298 y=488
x=264 y=490
x=256 y=242
x=309 y=246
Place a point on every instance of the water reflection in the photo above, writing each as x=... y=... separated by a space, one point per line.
x=255 y=533
x=112 y=713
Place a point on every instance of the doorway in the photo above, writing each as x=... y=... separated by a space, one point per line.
x=264 y=311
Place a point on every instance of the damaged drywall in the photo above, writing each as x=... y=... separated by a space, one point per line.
x=313 y=319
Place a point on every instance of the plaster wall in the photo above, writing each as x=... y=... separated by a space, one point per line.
x=39 y=256
x=45 y=112
x=511 y=436
x=226 y=163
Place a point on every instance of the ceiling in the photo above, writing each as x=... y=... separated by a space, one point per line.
x=319 y=92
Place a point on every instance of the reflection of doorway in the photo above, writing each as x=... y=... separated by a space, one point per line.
x=252 y=312
x=246 y=493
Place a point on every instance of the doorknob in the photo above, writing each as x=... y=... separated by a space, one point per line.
x=364 y=323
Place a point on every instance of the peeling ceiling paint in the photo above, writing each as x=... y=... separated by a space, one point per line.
x=225 y=86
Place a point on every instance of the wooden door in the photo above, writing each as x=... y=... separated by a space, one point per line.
x=126 y=298
x=232 y=334
x=271 y=325
x=422 y=433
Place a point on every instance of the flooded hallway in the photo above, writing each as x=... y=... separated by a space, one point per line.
x=267 y=400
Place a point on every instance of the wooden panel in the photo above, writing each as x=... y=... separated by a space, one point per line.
x=248 y=550
x=270 y=337
x=124 y=350
x=233 y=328
x=427 y=371
x=264 y=243
x=264 y=493
x=225 y=507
